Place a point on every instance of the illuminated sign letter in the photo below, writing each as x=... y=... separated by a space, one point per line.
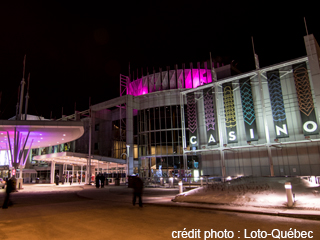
x=211 y=139
x=232 y=136
x=191 y=140
x=283 y=129
x=314 y=126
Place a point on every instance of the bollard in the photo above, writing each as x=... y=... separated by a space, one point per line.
x=171 y=182
x=180 y=187
x=161 y=181
x=288 y=188
x=201 y=181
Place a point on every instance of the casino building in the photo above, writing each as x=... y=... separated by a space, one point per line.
x=210 y=120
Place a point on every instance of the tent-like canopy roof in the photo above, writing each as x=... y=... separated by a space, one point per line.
x=41 y=133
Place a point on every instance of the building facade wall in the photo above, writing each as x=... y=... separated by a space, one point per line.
x=295 y=154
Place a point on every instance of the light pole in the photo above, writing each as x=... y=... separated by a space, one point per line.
x=128 y=153
x=127 y=157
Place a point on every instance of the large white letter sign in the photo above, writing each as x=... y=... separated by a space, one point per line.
x=283 y=129
x=211 y=139
x=232 y=136
x=314 y=126
x=193 y=141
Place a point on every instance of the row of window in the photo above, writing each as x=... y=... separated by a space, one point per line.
x=159 y=118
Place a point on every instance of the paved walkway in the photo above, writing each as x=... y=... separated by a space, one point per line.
x=162 y=197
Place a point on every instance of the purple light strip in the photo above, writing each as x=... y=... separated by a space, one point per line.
x=10 y=147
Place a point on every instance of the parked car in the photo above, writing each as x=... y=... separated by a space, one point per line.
x=2 y=183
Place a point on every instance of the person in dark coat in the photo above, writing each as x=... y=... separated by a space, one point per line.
x=70 y=179
x=102 y=179
x=10 y=188
x=98 y=180
x=137 y=185
x=57 y=179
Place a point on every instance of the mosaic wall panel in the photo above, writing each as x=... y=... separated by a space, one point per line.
x=230 y=114
x=304 y=94
x=277 y=106
x=192 y=120
x=210 y=117
x=249 y=116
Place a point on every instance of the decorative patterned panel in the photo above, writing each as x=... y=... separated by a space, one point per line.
x=229 y=106
x=276 y=98
x=230 y=114
x=301 y=80
x=249 y=117
x=192 y=120
x=191 y=110
x=277 y=106
x=210 y=120
x=304 y=94
x=209 y=110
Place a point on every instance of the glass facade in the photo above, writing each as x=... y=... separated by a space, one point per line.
x=160 y=143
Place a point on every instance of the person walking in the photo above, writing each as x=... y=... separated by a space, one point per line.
x=102 y=179
x=57 y=179
x=70 y=179
x=137 y=185
x=10 y=188
x=98 y=180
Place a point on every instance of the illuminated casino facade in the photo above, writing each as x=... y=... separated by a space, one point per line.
x=211 y=121
x=261 y=123
x=193 y=121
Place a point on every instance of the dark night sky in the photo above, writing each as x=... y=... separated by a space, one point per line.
x=77 y=49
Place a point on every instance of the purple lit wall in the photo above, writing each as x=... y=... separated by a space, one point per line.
x=187 y=78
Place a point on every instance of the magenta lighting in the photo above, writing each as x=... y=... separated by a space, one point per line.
x=18 y=136
x=171 y=79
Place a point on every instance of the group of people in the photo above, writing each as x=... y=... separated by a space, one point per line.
x=63 y=177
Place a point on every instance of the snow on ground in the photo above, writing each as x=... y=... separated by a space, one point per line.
x=256 y=192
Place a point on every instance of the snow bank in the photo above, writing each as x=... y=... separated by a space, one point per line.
x=257 y=192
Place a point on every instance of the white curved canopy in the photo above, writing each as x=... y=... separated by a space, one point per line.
x=41 y=133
